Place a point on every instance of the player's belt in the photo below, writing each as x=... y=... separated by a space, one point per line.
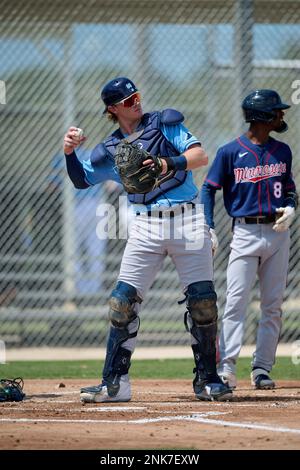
x=267 y=219
x=180 y=209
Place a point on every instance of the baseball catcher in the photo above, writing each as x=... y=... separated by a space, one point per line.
x=11 y=390
x=138 y=169
x=152 y=155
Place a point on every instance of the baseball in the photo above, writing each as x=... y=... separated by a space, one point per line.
x=79 y=132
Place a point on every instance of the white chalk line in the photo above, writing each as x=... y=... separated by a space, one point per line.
x=115 y=408
x=198 y=417
x=102 y=409
x=263 y=427
x=95 y=421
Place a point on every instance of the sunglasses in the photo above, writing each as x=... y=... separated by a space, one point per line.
x=131 y=100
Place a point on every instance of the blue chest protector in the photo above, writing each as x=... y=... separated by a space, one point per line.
x=150 y=136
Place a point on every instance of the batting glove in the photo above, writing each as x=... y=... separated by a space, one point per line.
x=287 y=215
x=214 y=241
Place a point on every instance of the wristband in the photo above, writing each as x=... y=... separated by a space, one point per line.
x=176 y=163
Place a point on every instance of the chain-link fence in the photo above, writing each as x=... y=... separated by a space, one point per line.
x=200 y=57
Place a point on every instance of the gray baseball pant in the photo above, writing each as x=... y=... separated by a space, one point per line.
x=152 y=239
x=255 y=249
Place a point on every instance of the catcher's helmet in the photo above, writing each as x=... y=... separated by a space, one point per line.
x=116 y=90
x=261 y=105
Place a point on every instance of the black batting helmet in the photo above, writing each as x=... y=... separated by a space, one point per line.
x=116 y=90
x=261 y=105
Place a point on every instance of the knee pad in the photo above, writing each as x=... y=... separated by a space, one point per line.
x=121 y=303
x=201 y=300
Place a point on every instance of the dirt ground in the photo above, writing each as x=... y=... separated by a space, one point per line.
x=163 y=414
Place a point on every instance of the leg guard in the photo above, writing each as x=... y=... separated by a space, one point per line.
x=117 y=362
x=121 y=303
x=201 y=322
x=201 y=302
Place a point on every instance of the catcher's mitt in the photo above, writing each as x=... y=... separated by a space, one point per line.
x=11 y=390
x=136 y=177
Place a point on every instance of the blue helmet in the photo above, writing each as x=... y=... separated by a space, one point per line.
x=261 y=105
x=116 y=90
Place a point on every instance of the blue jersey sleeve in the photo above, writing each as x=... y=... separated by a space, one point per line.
x=75 y=171
x=93 y=170
x=218 y=170
x=208 y=194
x=289 y=186
x=99 y=167
x=179 y=136
x=213 y=182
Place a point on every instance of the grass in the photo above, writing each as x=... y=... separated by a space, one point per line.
x=141 y=369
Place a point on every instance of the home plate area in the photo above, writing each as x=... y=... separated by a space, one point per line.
x=163 y=414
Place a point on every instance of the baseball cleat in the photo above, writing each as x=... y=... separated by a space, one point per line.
x=261 y=380
x=228 y=378
x=102 y=393
x=211 y=391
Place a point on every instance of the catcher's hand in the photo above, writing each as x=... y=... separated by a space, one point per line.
x=138 y=169
x=73 y=138
x=11 y=390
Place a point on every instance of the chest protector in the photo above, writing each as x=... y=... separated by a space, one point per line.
x=151 y=138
